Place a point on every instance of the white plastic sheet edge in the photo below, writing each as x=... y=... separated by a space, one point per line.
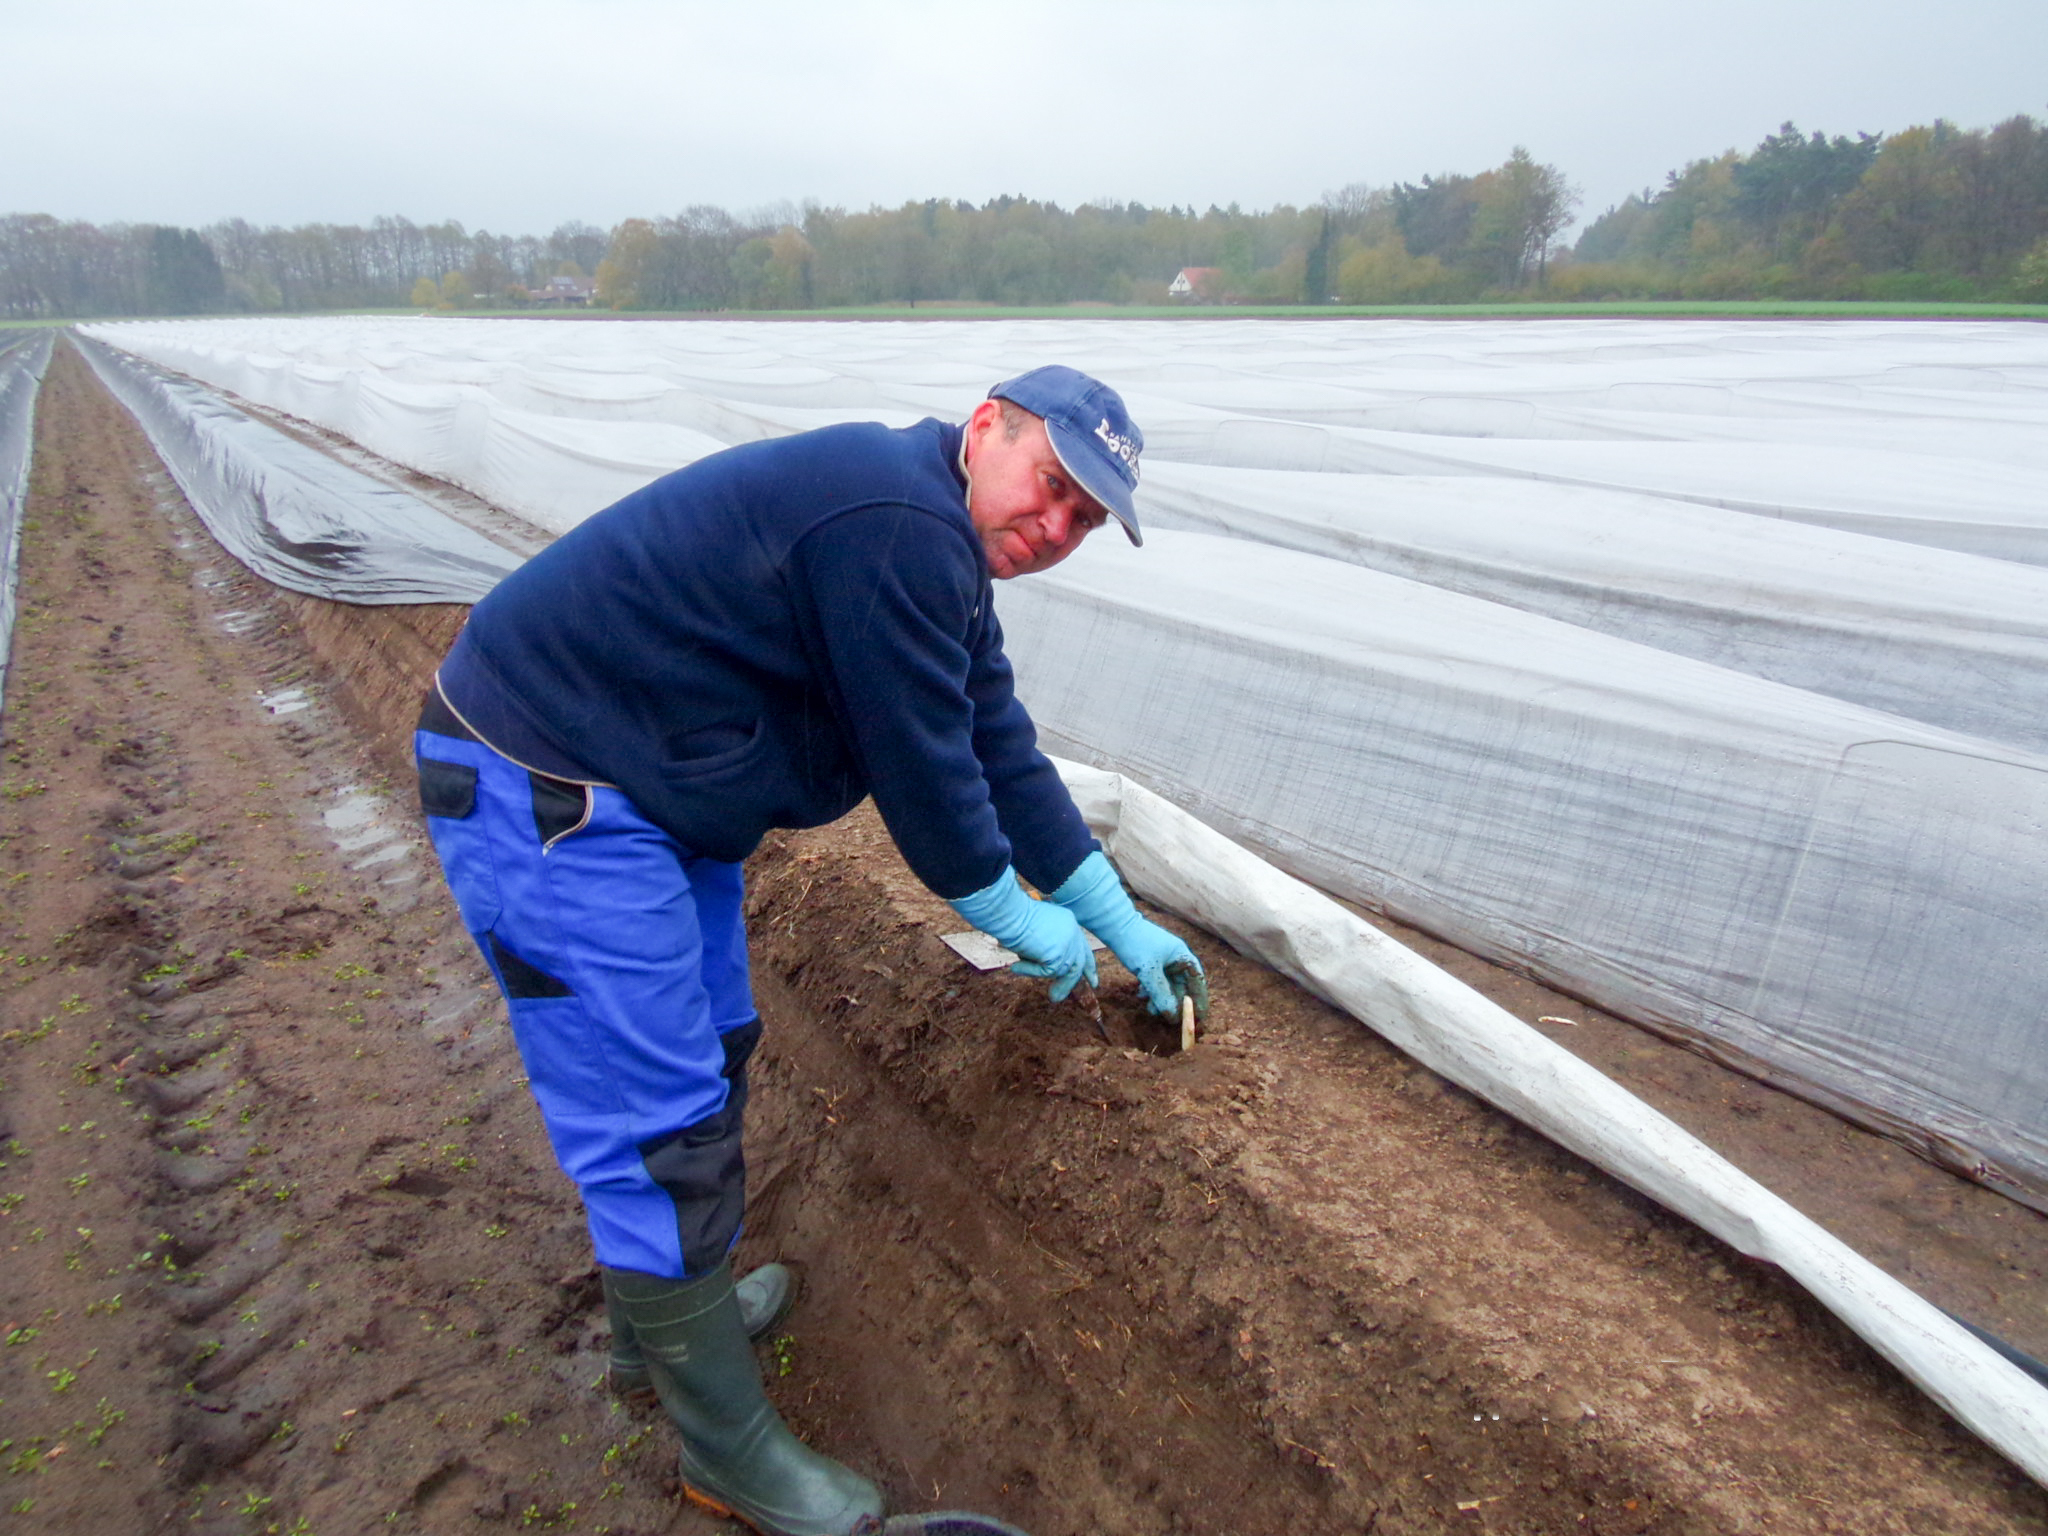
x=1169 y=857
x=296 y=517
x=21 y=375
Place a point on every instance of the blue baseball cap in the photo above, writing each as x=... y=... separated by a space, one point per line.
x=1090 y=430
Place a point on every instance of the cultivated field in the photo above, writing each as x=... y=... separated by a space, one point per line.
x=287 y=1249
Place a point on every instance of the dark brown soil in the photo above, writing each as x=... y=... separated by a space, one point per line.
x=286 y=1250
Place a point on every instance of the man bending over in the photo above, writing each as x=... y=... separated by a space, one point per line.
x=759 y=640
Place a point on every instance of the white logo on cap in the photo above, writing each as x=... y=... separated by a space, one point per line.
x=1119 y=445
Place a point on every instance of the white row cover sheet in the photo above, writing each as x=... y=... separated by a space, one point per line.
x=1844 y=899
x=1173 y=859
x=1929 y=433
x=294 y=515
x=1787 y=879
x=556 y=419
x=23 y=357
x=1955 y=640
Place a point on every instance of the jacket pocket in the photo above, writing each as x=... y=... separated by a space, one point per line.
x=724 y=748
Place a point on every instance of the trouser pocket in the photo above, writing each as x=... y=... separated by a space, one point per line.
x=559 y=807
x=447 y=789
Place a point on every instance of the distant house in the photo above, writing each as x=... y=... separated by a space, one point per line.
x=565 y=290
x=1197 y=285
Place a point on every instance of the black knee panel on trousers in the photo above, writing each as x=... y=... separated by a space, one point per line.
x=702 y=1168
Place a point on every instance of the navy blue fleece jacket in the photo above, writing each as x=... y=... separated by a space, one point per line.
x=766 y=636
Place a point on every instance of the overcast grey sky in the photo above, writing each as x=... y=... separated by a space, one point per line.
x=514 y=115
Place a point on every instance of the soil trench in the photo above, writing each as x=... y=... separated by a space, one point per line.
x=287 y=1251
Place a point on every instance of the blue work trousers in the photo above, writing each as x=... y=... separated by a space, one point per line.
x=623 y=961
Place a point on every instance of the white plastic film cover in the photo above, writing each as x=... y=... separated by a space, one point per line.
x=296 y=516
x=23 y=357
x=1930 y=434
x=1956 y=640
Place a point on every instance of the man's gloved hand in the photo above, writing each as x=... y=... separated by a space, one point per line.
x=1166 y=968
x=1047 y=939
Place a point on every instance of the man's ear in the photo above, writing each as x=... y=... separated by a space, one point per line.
x=986 y=414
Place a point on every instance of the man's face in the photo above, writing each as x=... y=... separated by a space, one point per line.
x=1026 y=507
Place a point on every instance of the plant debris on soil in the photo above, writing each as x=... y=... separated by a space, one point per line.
x=286 y=1250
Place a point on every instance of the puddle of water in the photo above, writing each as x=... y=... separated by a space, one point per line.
x=357 y=809
x=359 y=824
x=376 y=838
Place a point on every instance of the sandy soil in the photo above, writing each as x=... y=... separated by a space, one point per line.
x=286 y=1250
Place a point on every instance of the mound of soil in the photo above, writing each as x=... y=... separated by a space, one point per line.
x=286 y=1249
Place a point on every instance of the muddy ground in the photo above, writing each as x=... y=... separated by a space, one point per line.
x=286 y=1251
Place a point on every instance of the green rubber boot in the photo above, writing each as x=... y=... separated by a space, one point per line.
x=766 y=1295
x=738 y=1458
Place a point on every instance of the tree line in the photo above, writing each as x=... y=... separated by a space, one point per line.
x=51 y=268
x=1929 y=213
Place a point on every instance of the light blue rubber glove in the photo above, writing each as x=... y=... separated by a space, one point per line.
x=1166 y=968
x=1046 y=938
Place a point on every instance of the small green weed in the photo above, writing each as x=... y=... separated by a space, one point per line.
x=109 y=1417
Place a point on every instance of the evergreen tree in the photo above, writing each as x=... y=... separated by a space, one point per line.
x=183 y=275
